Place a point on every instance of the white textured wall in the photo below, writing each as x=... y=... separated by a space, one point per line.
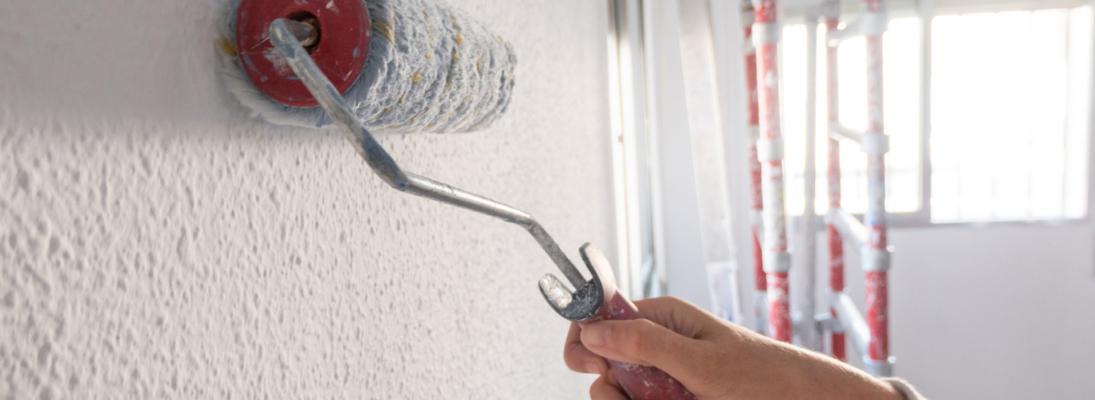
x=157 y=243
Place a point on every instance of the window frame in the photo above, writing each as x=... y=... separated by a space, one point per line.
x=641 y=266
x=926 y=12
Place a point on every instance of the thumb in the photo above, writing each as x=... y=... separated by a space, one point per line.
x=641 y=341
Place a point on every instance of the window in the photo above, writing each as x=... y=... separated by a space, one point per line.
x=672 y=188
x=639 y=274
x=1009 y=116
x=902 y=115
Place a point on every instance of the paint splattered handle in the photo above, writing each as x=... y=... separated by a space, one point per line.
x=640 y=382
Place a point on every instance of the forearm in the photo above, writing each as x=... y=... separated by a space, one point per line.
x=826 y=378
x=807 y=374
x=716 y=359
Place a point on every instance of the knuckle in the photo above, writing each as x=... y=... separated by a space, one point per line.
x=674 y=301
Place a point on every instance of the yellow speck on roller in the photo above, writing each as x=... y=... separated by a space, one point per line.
x=227 y=47
x=385 y=28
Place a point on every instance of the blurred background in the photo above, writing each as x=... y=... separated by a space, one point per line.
x=988 y=108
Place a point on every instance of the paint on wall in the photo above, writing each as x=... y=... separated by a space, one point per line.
x=156 y=242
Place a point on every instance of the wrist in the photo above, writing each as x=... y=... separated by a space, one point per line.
x=814 y=375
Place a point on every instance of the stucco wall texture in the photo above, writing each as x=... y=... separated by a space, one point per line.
x=155 y=242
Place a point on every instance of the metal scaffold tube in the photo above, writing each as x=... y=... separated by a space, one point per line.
x=777 y=263
x=808 y=332
x=872 y=332
x=851 y=320
x=760 y=296
x=849 y=229
x=876 y=260
x=836 y=244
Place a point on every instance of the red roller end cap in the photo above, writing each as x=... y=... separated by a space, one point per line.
x=340 y=53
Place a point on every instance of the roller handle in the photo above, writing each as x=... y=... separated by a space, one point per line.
x=640 y=382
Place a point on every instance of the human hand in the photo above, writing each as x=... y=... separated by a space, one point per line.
x=713 y=358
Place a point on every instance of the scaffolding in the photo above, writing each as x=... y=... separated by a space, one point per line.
x=776 y=260
x=870 y=334
x=756 y=218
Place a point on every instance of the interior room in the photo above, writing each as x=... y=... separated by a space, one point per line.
x=606 y=199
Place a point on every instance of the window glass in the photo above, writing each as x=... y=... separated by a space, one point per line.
x=1010 y=115
x=901 y=76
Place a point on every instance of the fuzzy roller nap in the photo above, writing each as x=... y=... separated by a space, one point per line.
x=426 y=67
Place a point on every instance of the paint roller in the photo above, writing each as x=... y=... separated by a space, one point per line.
x=406 y=66
x=403 y=66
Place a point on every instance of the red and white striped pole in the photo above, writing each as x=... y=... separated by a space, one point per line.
x=777 y=262
x=836 y=243
x=760 y=294
x=870 y=334
x=876 y=255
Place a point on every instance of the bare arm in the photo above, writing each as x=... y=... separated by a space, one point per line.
x=713 y=358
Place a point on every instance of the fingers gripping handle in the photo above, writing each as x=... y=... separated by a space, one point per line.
x=640 y=382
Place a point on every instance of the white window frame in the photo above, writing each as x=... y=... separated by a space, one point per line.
x=637 y=173
x=926 y=11
x=636 y=54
